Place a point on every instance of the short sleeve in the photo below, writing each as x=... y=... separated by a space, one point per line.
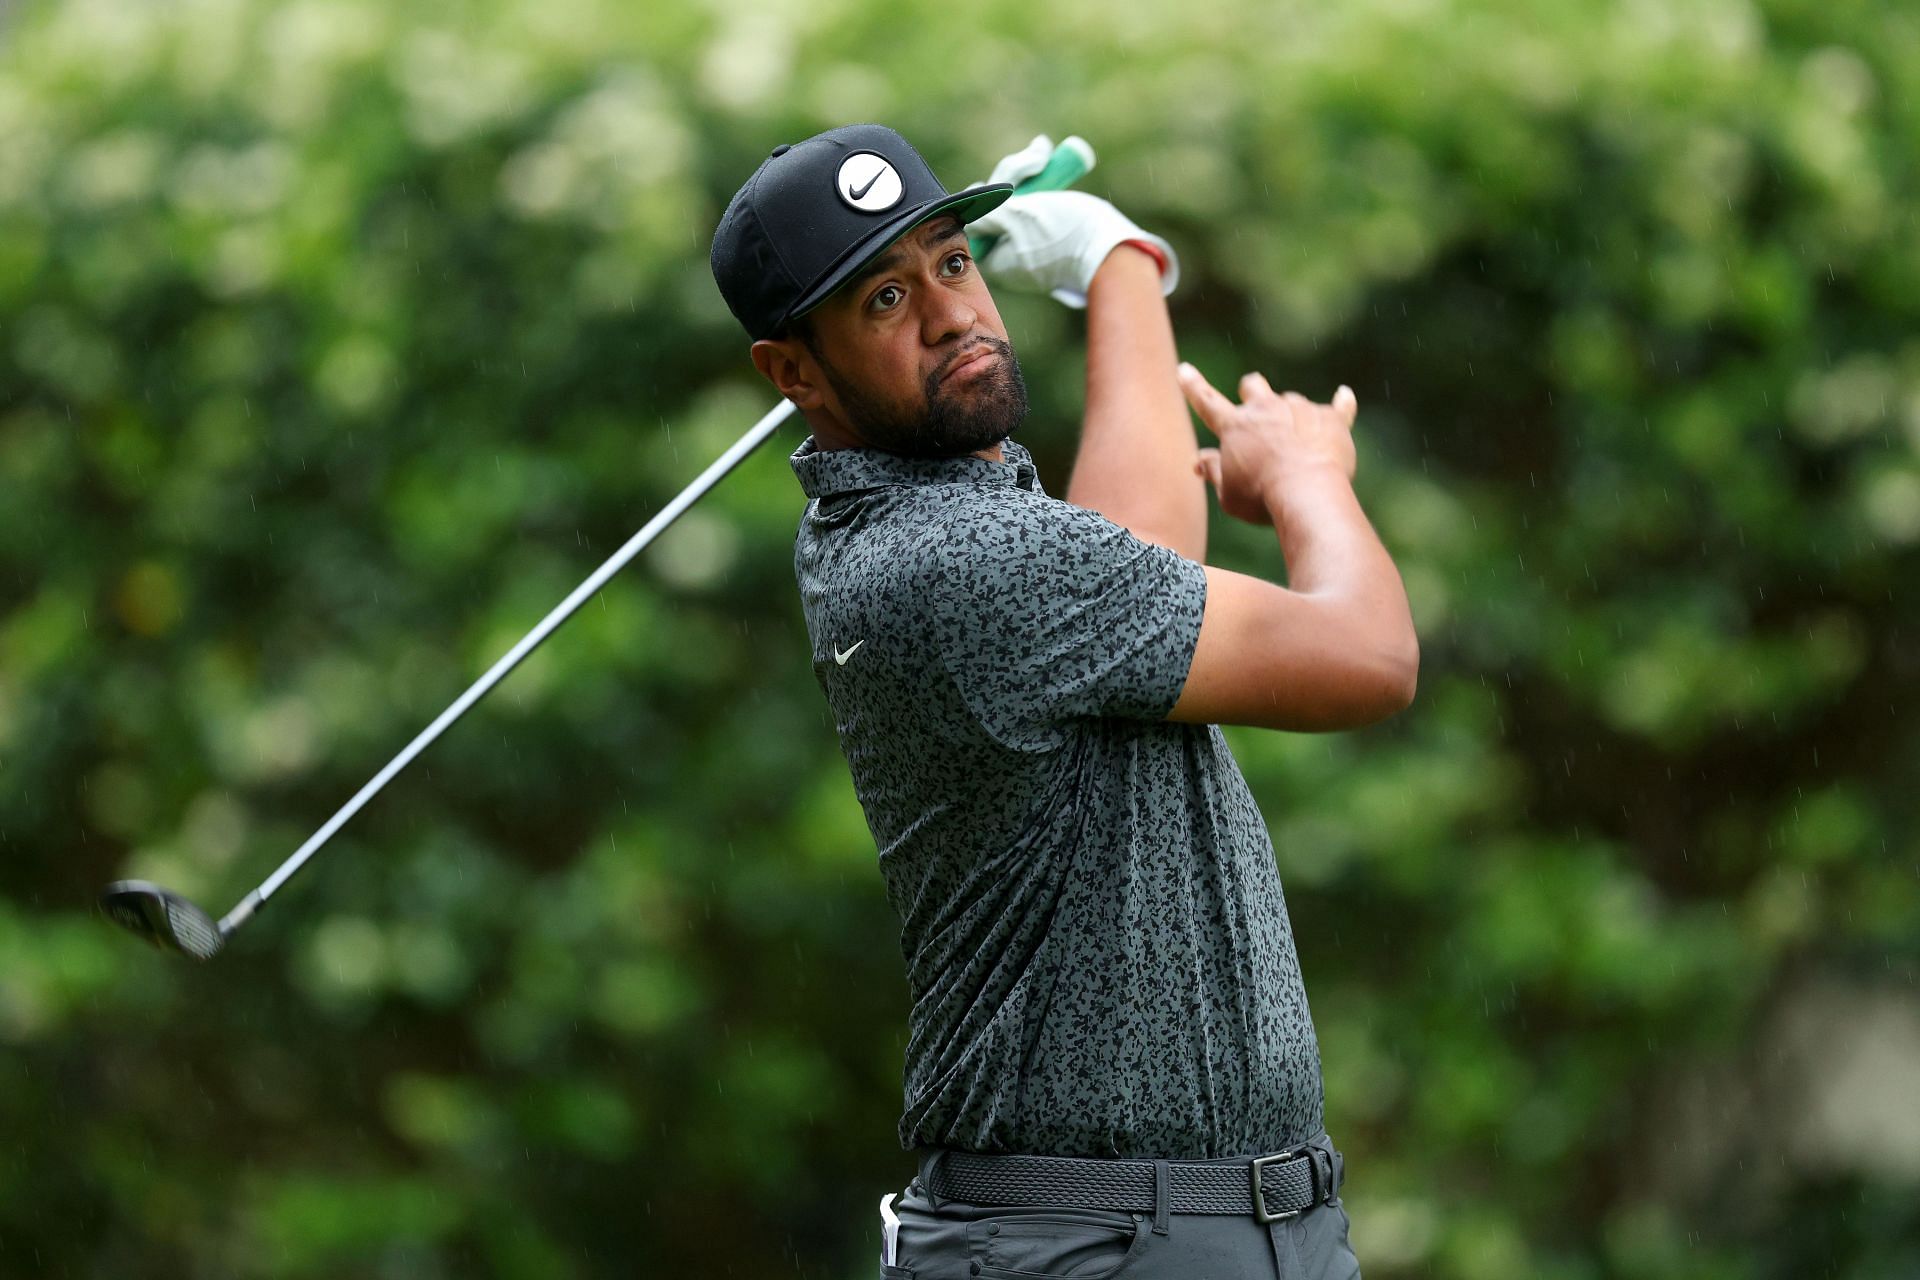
x=1044 y=611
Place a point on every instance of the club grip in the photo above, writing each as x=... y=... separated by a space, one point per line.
x=1067 y=165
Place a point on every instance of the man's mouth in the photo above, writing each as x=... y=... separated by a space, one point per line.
x=971 y=363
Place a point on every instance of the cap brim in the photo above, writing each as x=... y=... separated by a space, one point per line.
x=965 y=205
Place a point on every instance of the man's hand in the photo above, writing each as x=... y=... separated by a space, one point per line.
x=1266 y=438
x=1335 y=648
x=1017 y=166
x=1056 y=240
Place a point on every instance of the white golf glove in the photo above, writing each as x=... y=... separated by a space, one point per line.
x=1024 y=163
x=1056 y=240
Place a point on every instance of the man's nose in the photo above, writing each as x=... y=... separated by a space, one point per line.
x=947 y=315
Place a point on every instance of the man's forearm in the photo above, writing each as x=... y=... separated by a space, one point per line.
x=1137 y=447
x=1332 y=551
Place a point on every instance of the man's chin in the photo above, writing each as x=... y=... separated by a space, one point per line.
x=974 y=415
x=979 y=414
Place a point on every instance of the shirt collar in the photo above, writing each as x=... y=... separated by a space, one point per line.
x=828 y=471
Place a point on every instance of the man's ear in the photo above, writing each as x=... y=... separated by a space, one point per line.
x=790 y=367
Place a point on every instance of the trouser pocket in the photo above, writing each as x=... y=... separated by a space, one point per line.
x=1054 y=1243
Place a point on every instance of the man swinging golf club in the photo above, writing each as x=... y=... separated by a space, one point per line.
x=1111 y=1062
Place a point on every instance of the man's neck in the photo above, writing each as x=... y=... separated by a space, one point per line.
x=828 y=437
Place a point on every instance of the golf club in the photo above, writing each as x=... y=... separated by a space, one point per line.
x=173 y=923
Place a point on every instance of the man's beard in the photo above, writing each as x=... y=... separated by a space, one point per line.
x=968 y=419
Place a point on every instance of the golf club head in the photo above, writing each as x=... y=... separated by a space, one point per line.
x=165 y=919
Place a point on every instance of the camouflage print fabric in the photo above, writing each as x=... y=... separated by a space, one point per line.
x=1096 y=941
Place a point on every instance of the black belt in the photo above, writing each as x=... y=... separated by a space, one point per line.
x=1270 y=1187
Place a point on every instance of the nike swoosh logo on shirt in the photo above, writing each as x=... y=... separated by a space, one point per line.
x=841 y=658
x=855 y=195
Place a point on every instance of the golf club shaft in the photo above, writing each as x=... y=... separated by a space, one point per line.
x=561 y=612
x=1071 y=159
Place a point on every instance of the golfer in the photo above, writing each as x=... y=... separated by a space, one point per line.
x=1111 y=1068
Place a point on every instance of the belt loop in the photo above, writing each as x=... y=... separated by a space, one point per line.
x=1329 y=1188
x=929 y=1169
x=1162 y=1193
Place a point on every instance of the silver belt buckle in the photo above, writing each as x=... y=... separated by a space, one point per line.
x=1260 y=1213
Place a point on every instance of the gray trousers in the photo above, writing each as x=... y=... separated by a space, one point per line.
x=954 y=1240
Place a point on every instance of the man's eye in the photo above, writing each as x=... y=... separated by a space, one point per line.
x=956 y=261
x=887 y=298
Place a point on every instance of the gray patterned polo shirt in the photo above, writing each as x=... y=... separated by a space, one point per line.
x=1097 y=947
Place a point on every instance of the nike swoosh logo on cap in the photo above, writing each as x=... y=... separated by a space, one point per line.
x=855 y=195
x=838 y=656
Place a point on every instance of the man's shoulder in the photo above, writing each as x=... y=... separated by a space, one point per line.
x=1008 y=512
x=974 y=538
x=933 y=524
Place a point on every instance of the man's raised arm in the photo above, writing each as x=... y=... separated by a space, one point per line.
x=1137 y=458
x=1135 y=465
x=1335 y=649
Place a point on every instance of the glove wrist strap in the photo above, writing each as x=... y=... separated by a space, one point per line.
x=1152 y=251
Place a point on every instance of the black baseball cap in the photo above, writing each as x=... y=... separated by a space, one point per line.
x=815 y=212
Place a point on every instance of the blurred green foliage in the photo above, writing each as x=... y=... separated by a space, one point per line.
x=338 y=341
